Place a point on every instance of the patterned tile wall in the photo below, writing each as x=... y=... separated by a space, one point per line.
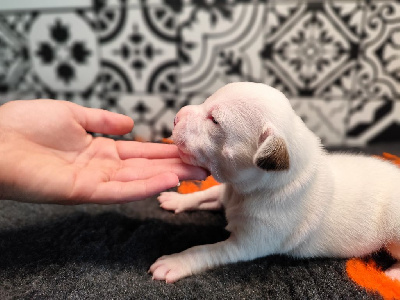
x=337 y=61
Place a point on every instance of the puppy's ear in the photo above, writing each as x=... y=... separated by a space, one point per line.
x=272 y=153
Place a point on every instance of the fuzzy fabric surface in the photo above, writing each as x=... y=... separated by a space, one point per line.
x=104 y=252
x=95 y=252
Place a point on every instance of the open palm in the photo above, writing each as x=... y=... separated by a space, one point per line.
x=46 y=155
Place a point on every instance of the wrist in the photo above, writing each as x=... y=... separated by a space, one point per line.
x=3 y=186
x=2 y=167
x=5 y=166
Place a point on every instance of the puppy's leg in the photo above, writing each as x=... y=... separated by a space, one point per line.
x=209 y=199
x=200 y=258
x=394 y=271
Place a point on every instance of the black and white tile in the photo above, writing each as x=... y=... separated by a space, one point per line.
x=63 y=51
x=43 y=5
x=310 y=53
x=220 y=44
x=310 y=49
x=326 y=118
x=56 y=56
x=14 y=52
x=374 y=115
x=338 y=61
x=373 y=121
x=152 y=114
x=141 y=43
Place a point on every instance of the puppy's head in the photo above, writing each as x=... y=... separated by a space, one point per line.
x=240 y=128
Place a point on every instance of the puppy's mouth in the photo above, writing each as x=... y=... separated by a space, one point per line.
x=191 y=160
x=186 y=155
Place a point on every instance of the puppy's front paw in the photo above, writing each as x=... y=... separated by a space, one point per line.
x=170 y=268
x=173 y=201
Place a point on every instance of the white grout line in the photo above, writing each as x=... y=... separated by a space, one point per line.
x=6 y=5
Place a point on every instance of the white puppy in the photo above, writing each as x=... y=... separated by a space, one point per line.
x=282 y=193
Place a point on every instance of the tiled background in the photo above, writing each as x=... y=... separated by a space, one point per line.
x=338 y=61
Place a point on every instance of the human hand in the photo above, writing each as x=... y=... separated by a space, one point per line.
x=47 y=156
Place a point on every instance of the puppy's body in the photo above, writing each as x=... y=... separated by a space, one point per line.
x=333 y=213
x=282 y=193
x=362 y=208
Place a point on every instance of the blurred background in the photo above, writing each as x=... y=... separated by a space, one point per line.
x=337 y=61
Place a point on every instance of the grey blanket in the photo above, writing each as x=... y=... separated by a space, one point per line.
x=104 y=252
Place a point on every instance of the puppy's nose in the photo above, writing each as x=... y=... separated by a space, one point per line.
x=182 y=114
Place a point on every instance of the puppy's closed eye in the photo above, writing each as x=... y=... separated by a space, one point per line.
x=212 y=118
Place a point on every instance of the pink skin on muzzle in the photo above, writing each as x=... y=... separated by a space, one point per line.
x=184 y=152
x=186 y=157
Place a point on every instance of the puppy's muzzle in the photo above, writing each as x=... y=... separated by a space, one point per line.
x=183 y=113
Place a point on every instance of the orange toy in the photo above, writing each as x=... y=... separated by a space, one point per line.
x=187 y=187
x=167 y=141
x=393 y=158
x=370 y=277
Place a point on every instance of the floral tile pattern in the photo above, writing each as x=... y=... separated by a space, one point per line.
x=63 y=50
x=374 y=110
x=310 y=49
x=326 y=118
x=152 y=114
x=220 y=44
x=337 y=61
x=14 y=57
x=141 y=44
x=373 y=121
x=49 y=55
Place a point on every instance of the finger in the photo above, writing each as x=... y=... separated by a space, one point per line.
x=149 y=162
x=150 y=167
x=183 y=171
x=121 y=192
x=130 y=149
x=101 y=121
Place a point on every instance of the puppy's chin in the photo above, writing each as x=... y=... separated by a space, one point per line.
x=187 y=158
